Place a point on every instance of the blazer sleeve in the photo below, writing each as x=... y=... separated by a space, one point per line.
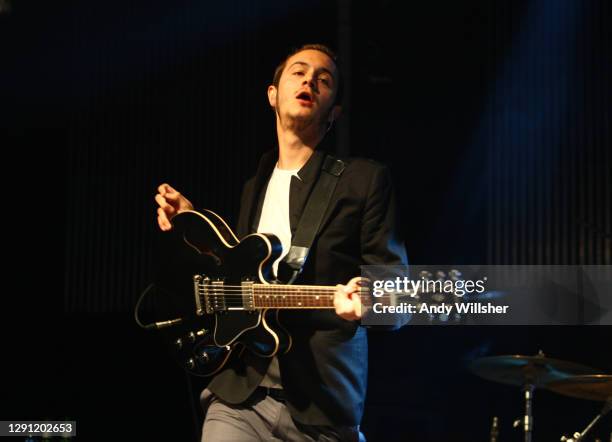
x=381 y=242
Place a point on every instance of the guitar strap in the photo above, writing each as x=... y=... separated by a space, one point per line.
x=291 y=265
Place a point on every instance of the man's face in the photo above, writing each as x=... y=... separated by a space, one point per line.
x=307 y=87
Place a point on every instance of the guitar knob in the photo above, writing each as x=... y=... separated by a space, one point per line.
x=190 y=364
x=179 y=343
x=201 y=332
x=203 y=357
x=192 y=337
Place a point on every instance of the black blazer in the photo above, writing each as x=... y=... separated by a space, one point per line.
x=324 y=374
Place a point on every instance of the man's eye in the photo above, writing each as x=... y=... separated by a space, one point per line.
x=324 y=80
x=298 y=73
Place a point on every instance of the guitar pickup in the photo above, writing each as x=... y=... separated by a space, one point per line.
x=214 y=296
x=248 y=300
x=209 y=295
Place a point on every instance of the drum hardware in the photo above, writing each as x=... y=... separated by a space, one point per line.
x=494 y=434
x=590 y=387
x=528 y=372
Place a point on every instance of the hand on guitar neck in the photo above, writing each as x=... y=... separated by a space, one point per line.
x=171 y=203
x=347 y=301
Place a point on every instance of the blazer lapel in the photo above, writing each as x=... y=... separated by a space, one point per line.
x=301 y=187
x=299 y=190
x=255 y=201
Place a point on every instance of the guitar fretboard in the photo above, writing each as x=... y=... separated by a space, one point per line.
x=294 y=296
x=214 y=296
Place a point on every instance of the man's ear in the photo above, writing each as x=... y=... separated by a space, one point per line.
x=272 y=96
x=335 y=113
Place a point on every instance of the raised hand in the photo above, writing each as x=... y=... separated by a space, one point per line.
x=171 y=203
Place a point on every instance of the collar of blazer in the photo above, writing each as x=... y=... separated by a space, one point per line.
x=301 y=187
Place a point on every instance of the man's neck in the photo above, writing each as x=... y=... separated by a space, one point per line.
x=294 y=149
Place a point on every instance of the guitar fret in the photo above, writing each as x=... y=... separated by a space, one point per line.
x=279 y=296
x=270 y=296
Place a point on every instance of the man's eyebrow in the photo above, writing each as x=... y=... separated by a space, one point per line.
x=307 y=65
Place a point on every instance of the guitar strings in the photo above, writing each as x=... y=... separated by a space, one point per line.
x=274 y=287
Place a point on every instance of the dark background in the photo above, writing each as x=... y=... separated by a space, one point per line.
x=493 y=116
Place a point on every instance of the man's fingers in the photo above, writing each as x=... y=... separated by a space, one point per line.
x=356 y=300
x=172 y=196
x=345 y=306
x=161 y=224
x=352 y=302
x=178 y=201
x=165 y=188
x=166 y=198
x=162 y=220
x=354 y=284
x=340 y=298
x=163 y=203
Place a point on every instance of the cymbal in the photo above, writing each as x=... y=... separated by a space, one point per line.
x=522 y=370
x=596 y=387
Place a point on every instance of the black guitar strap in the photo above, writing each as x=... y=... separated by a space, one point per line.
x=310 y=222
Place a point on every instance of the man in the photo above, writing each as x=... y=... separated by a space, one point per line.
x=317 y=390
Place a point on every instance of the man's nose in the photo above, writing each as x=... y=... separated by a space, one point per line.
x=310 y=80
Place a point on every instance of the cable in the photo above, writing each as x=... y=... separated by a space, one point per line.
x=154 y=325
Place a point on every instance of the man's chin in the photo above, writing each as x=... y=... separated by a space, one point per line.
x=302 y=118
x=302 y=112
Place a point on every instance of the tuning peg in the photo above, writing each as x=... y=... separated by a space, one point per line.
x=425 y=274
x=455 y=274
x=190 y=364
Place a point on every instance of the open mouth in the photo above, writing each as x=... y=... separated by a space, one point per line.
x=305 y=97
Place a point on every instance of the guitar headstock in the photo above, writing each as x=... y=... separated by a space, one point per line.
x=413 y=294
x=443 y=293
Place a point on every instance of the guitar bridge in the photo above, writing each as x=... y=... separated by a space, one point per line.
x=198 y=292
x=209 y=295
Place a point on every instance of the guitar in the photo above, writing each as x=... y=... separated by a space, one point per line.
x=235 y=303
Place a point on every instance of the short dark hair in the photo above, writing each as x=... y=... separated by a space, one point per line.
x=316 y=47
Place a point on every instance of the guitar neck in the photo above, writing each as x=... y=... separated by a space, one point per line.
x=293 y=296
x=214 y=296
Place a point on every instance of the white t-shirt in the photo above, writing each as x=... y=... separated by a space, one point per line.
x=275 y=219
x=275 y=212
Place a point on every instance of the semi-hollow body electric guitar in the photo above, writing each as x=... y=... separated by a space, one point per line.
x=236 y=306
x=233 y=303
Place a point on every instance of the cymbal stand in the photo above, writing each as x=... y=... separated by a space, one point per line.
x=577 y=437
x=528 y=417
